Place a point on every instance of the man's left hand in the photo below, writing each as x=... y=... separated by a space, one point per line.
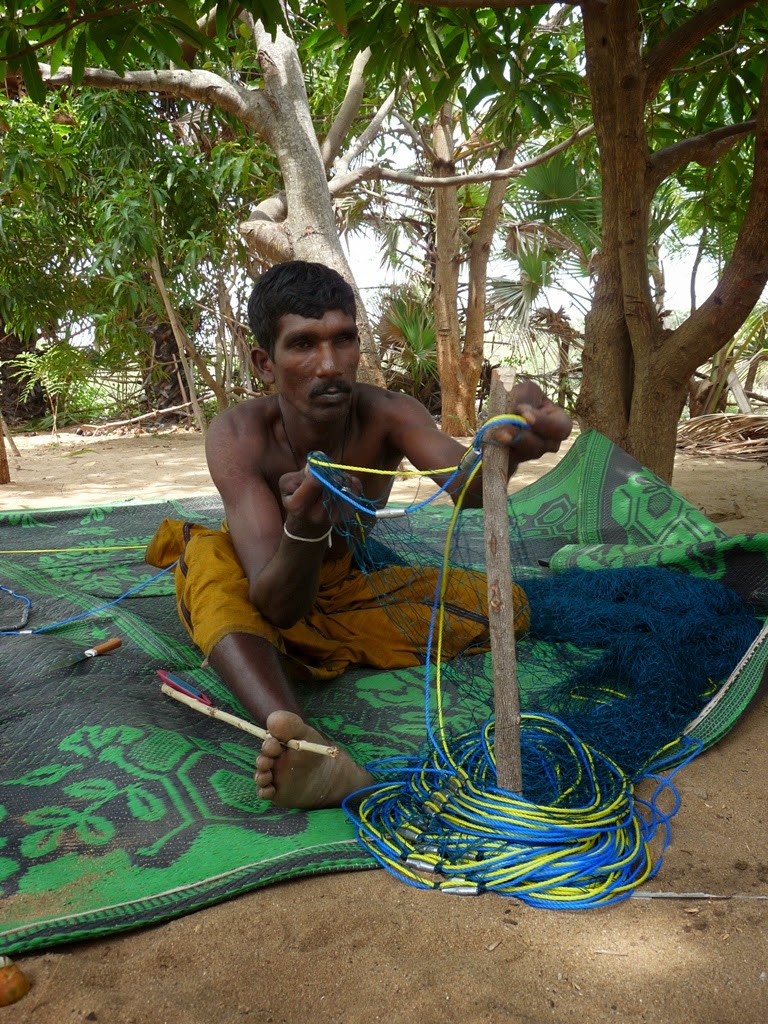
x=548 y=424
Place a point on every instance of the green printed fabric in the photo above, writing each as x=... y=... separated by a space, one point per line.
x=121 y=807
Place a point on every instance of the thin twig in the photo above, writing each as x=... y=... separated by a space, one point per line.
x=136 y=419
x=240 y=723
x=728 y=435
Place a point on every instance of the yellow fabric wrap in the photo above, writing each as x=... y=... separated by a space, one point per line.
x=379 y=619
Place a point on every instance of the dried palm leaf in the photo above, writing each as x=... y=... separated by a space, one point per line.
x=726 y=435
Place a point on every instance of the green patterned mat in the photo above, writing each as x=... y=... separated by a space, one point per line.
x=119 y=807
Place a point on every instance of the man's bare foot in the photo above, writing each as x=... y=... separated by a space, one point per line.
x=296 y=778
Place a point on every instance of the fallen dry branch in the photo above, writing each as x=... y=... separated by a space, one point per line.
x=137 y=419
x=726 y=435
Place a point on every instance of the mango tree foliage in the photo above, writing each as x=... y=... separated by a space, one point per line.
x=99 y=190
x=464 y=154
x=697 y=129
x=114 y=35
x=256 y=77
x=217 y=57
x=661 y=68
x=679 y=101
x=673 y=88
x=38 y=227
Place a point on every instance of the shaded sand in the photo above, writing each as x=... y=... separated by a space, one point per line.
x=363 y=947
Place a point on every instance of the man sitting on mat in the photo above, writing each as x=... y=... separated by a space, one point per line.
x=277 y=579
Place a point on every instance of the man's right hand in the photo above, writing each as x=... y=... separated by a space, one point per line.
x=302 y=496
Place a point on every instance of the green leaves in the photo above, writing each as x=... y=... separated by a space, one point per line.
x=79 y=55
x=113 y=34
x=338 y=12
x=408 y=341
x=32 y=78
x=90 y=190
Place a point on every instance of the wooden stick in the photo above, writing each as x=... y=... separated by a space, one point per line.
x=501 y=612
x=240 y=723
x=137 y=419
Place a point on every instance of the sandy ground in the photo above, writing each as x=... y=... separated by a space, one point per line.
x=364 y=947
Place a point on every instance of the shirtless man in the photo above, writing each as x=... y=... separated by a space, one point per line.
x=303 y=318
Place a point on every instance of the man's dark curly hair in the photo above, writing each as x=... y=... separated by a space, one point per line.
x=307 y=289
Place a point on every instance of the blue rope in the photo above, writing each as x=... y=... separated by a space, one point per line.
x=27 y=609
x=82 y=615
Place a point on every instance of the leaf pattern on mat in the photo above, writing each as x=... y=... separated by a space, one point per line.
x=173 y=785
x=24 y=519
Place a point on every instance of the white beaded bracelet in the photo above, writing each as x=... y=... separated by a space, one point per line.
x=310 y=540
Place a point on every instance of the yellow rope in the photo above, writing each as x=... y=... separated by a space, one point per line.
x=321 y=463
x=58 y=551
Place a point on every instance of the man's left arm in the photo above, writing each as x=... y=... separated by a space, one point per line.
x=426 y=447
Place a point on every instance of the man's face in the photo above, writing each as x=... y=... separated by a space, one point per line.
x=314 y=366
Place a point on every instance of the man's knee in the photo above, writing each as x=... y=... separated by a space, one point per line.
x=212 y=592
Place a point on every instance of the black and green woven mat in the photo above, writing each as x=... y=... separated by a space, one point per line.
x=120 y=807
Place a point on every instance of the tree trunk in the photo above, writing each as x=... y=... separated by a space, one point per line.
x=161 y=371
x=622 y=318
x=460 y=360
x=5 y=469
x=13 y=407
x=636 y=372
x=303 y=226
x=308 y=231
x=473 y=350
x=458 y=393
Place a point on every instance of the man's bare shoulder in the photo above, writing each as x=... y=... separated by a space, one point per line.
x=248 y=420
x=238 y=441
x=378 y=401
x=397 y=426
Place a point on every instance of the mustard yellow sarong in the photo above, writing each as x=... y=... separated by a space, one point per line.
x=379 y=619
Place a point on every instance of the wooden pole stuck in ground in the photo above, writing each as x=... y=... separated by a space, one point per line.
x=501 y=612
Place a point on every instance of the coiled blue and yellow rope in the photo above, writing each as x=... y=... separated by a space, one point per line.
x=576 y=839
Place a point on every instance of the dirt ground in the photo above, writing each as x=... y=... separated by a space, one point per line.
x=691 y=947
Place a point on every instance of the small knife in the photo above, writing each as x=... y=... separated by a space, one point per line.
x=91 y=652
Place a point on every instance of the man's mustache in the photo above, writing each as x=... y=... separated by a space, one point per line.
x=337 y=388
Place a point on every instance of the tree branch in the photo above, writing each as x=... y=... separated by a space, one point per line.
x=270 y=240
x=660 y=61
x=202 y=86
x=418 y=141
x=479 y=257
x=273 y=209
x=496 y=5
x=483 y=236
x=704 y=149
x=67 y=26
x=182 y=341
x=348 y=110
x=375 y=172
x=721 y=315
x=367 y=137
x=206 y=26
